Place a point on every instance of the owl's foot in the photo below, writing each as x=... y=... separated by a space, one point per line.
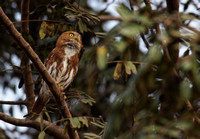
x=63 y=93
x=60 y=88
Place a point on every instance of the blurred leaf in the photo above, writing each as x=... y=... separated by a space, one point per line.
x=132 y=30
x=184 y=125
x=124 y=12
x=185 y=89
x=117 y=73
x=46 y=29
x=174 y=133
x=41 y=135
x=101 y=57
x=120 y=46
x=155 y=54
x=187 y=65
x=82 y=26
x=130 y=67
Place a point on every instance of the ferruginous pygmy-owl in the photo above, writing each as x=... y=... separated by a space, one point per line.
x=62 y=64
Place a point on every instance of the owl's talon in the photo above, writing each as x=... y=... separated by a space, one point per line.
x=63 y=93
x=60 y=88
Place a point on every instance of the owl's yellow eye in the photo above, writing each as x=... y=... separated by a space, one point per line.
x=71 y=34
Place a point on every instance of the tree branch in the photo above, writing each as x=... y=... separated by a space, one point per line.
x=27 y=72
x=107 y=17
x=13 y=102
x=51 y=129
x=38 y=64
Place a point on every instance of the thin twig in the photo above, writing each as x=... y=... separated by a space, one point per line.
x=108 y=4
x=13 y=102
x=145 y=40
x=134 y=62
x=131 y=5
x=25 y=62
x=107 y=17
x=41 y=20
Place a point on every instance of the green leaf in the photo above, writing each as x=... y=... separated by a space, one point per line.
x=101 y=57
x=120 y=46
x=155 y=53
x=82 y=26
x=131 y=30
x=130 y=67
x=124 y=12
x=88 y=101
x=185 y=89
x=75 y=123
x=117 y=73
x=41 y=135
x=187 y=65
x=84 y=121
x=91 y=136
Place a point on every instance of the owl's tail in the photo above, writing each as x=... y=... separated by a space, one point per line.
x=40 y=103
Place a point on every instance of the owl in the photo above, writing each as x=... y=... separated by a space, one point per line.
x=62 y=65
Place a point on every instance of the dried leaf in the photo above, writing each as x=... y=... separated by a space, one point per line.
x=41 y=123
x=46 y=29
x=130 y=67
x=48 y=116
x=117 y=73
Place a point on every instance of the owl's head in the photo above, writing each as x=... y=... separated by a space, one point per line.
x=70 y=40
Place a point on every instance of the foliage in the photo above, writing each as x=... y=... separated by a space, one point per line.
x=139 y=79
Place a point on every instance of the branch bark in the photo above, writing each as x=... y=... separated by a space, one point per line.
x=25 y=62
x=51 y=129
x=39 y=65
x=13 y=102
